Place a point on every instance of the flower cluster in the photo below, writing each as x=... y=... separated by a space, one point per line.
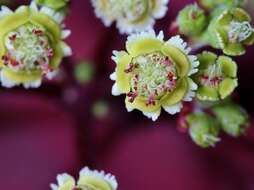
x=88 y=180
x=32 y=45
x=130 y=15
x=227 y=27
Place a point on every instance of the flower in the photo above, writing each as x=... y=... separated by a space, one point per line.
x=154 y=73
x=233 y=119
x=204 y=130
x=88 y=180
x=130 y=15
x=31 y=45
x=192 y=20
x=54 y=4
x=217 y=77
x=230 y=30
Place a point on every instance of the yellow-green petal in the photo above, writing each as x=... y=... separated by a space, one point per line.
x=143 y=46
x=122 y=78
x=241 y=15
x=234 y=49
x=52 y=27
x=226 y=87
x=229 y=67
x=180 y=59
x=140 y=104
x=96 y=182
x=177 y=95
x=207 y=93
x=206 y=58
x=22 y=76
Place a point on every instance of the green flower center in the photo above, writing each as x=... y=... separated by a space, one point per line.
x=135 y=9
x=212 y=76
x=27 y=48
x=152 y=76
x=239 y=31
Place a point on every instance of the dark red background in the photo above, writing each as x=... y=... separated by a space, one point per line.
x=52 y=130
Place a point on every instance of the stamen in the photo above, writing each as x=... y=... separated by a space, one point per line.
x=28 y=48
x=152 y=76
x=239 y=31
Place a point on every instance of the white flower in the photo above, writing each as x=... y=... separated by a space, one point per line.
x=130 y=15
x=88 y=180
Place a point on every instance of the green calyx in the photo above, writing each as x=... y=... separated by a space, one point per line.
x=212 y=4
x=233 y=119
x=203 y=130
x=54 y=4
x=192 y=20
x=217 y=77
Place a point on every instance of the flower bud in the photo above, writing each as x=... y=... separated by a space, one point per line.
x=203 y=129
x=233 y=119
x=192 y=20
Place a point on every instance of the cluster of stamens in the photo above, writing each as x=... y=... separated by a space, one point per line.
x=239 y=31
x=28 y=49
x=212 y=77
x=152 y=76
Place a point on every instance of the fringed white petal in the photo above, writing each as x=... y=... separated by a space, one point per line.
x=52 y=74
x=194 y=64
x=54 y=187
x=153 y=115
x=191 y=93
x=113 y=76
x=109 y=178
x=173 y=109
x=64 y=178
x=145 y=34
x=117 y=55
x=66 y=49
x=160 y=8
x=126 y=27
x=178 y=42
x=6 y=82
x=5 y=11
x=115 y=90
x=32 y=84
x=34 y=6
x=65 y=34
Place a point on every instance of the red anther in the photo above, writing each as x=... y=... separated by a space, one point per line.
x=13 y=37
x=38 y=32
x=13 y=62
x=171 y=76
x=151 y=101
x=216 y=80
x=132 y=96
x=50 y=53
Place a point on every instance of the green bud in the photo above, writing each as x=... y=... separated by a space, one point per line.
x=84 y=72
x=192 y=20
x=100 y=109
x=203 y=129
x=54 y=4
x=233 y=119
